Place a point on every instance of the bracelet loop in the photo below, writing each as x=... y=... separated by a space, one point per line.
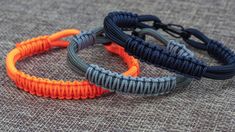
x=158 y=56
x=214 y=49
x=200 y=36
x=117 y=82
x=52 y=88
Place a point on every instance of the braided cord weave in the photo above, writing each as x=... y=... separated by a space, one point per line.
x=150 y=53
x=43 y=86
x=126 y=84
x=216 y=50
x=171 y=45
x=117 y=82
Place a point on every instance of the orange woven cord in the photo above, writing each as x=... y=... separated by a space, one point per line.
x=52 y=88
x=132 y=63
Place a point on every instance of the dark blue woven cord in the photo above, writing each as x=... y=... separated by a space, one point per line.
x=158 y=56
x=216 y=50
x=223 y=54
x=124 y=20
x=171 y=45
x=226 y=55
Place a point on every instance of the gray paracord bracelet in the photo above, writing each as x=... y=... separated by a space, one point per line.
x=114 y=81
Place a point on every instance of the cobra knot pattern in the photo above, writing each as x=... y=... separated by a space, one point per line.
x=219 y=51
x=126 y=84
x=179 y=49
x=154 y=54
x=57 y=89
x=50 y=88
x=34 y=46
x=84 y=40
x=124 y=19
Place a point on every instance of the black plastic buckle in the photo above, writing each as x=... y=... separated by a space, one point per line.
x=174 y=30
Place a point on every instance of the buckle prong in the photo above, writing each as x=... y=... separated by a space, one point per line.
x=174 y=30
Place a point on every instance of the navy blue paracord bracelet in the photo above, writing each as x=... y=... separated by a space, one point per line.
x=214 y=48
x=158 y=56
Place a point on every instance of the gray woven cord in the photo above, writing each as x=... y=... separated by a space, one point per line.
x=126 y=84
x=85 y=39
x=179 y=49
x=117 y=82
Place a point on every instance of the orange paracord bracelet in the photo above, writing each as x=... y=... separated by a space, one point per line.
x=52 y=88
